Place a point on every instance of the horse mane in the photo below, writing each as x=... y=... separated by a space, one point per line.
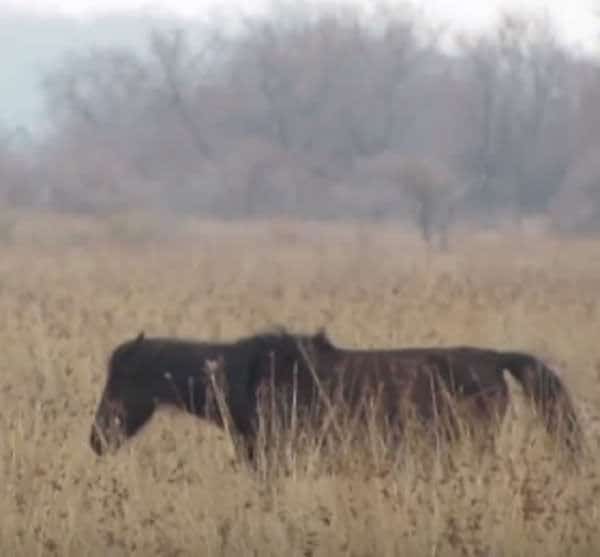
x=319 y=340
x=322 y=340
x=278 y=330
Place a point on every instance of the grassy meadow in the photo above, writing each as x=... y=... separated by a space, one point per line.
x=71 y=288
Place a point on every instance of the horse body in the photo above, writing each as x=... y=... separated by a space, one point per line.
x=426 y=379
x=310 y=375
x=441 y=384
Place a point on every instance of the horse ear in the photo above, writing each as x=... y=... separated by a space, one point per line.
x=136 y=343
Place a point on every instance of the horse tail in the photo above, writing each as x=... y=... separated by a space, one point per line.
x=550 y=397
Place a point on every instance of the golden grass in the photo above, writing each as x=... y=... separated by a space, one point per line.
x=69 y=291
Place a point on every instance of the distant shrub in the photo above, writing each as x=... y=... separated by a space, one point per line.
x=576 y=207
x=435 y=194
x=137 y=227
x=8 y=224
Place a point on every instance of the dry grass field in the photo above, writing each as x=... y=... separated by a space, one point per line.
x=71 y=289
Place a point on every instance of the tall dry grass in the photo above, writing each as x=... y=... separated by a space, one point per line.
x=70 y=290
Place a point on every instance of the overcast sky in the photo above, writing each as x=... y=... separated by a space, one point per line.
x=575 y=18
x=28 y=48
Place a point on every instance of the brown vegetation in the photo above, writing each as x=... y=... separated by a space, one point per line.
x=71 y=291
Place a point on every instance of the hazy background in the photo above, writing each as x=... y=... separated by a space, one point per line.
x=432 y=114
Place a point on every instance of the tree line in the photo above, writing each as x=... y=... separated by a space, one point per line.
x=323 y=113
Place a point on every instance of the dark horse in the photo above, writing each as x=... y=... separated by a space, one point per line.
x=311 y=375
x=145 y=373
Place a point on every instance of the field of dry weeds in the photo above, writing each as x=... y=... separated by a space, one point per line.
x=71 y=289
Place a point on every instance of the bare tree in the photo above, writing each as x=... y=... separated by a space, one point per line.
x=520 y=94
x=298 y=109
x=428 y=186
x=179 y=71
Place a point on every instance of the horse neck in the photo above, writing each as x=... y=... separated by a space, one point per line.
x=183 y=390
